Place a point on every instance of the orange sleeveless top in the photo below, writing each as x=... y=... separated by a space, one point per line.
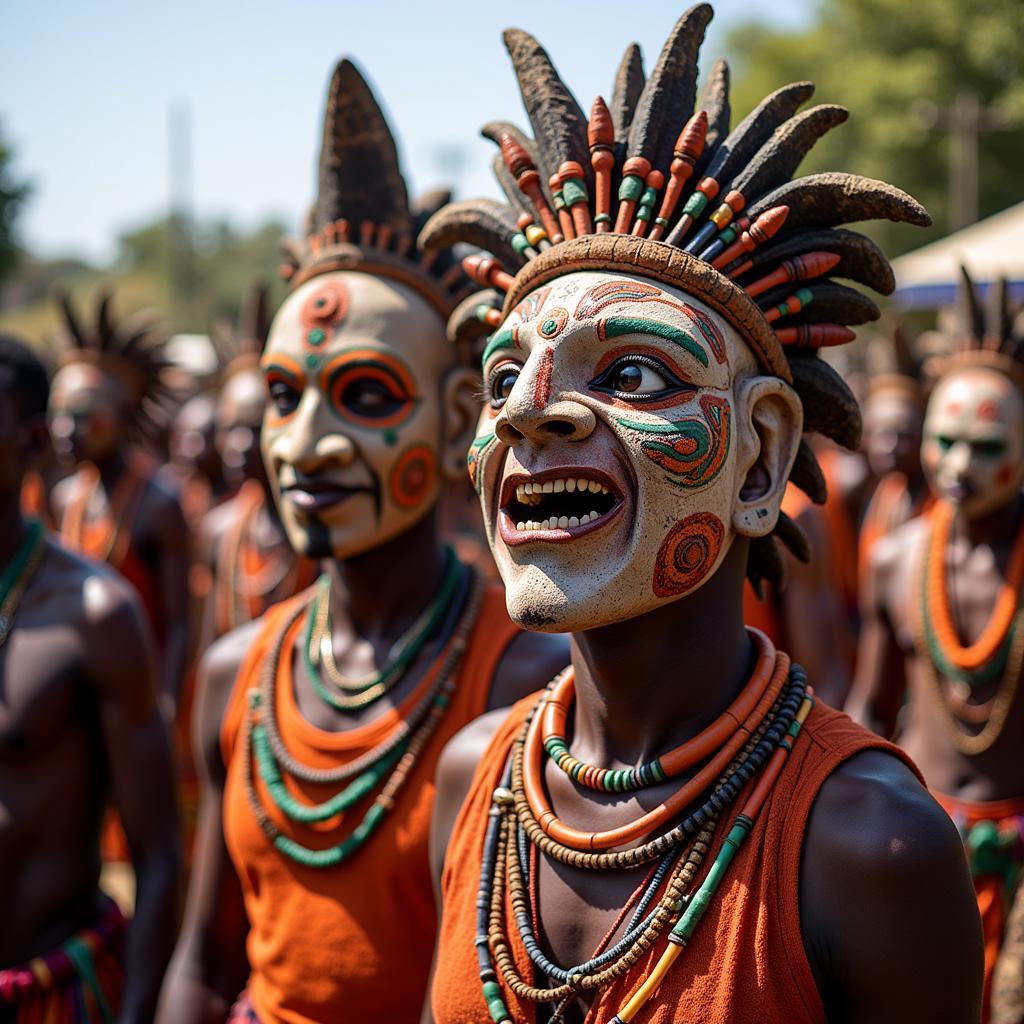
x=352 y=942
x=745 y=962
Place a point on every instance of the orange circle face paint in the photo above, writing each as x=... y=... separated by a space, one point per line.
x=413 y=477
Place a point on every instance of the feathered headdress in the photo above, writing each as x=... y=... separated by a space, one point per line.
x=651 y=186
x=238 y=347
x=133 y=351
x=362 y=218
x=987 y=334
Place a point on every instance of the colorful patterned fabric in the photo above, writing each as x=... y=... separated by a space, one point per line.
x=78 y=983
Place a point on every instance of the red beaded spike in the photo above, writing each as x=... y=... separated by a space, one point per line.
x=636 y=167
x=574 y=195
x=328 y=234
x=286 y=271
x=564 y=217
x=366 y=232
x=718 y=221
x=601 y=138
x=428 y=259
x=815 y=335
x=491 y=317
x=793 y=304
x=533 y=233
x=704 y=193
x=523 y=169
x=800 y=268
x=485 y=271
x=384 y=236
x=688 y=149
x=341 y=229
x=315 y=245
x=404 y=244
x=757 y=234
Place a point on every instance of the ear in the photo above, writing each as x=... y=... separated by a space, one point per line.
x=461 y=412
x=771 y=421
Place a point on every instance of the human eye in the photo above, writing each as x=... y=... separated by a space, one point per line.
x=638 y=378
x=284 y=396
x=992 y=448
x=500 y=382
x=370 y=392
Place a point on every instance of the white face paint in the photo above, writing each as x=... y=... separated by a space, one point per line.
x=612 y=449
x=973 y=449
x=355 y=367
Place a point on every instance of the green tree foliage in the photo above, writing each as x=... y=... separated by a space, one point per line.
x=887 y=60
x=12 y=197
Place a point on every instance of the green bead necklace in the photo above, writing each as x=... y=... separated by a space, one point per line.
x=15 y=578
x=388 y=765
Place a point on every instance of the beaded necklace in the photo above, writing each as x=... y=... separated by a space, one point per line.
x=352 y=695
x=387 y=765
x=106 y=537
x=765 y=721
x=242 y=594
x=15 y=578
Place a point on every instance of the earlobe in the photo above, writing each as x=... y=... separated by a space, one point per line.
x=461 y=412
x=770 y=421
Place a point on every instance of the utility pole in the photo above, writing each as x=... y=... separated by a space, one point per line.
x=965 y=119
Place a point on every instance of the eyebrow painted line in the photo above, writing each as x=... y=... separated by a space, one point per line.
x=617 y=326
x=503 y=339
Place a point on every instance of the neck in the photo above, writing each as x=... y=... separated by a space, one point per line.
x=999 y=526
x=365 y=589
x=111 y=467
x=650 y=683
x=12 y=529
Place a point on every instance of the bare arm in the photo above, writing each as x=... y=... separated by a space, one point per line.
x=210 y=968
x=887 y=908
x=879 y=683
x=173 y=541
x=138 y=751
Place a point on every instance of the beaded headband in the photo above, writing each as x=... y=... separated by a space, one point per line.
x=987 y=334
x=133 y=352
x=362 y=219
x=656 y=184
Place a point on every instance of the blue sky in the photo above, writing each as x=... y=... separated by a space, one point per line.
x=86 y=91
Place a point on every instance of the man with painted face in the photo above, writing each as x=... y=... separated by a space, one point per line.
x=78 y=722
x=674 y=830
x=319 y=726
x=242 y=541
x=944 y=610
x=113 y=507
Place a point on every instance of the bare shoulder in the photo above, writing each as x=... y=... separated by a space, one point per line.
x=529 y=663
x=218 y=671
x=64 y=489
x=895 y=553
x=456 y=768
x=888 y=915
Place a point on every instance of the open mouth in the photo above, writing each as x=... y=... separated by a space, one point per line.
x=557 y=505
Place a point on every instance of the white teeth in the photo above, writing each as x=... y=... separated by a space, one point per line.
x=547 y=487
x=546 y=525
x=531 y=525
x=574 y=521
x=563 y=522
x=581 y=484
x=559 y=486
x=570 y=485
x=595 y=515
x=584 y=520
x=520 y=527
x=594 y=486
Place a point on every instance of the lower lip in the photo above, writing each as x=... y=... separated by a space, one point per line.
x=317 y=501
x=513 y=537
x=958 y=493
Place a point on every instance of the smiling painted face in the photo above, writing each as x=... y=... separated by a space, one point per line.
x=360 y=382
x=973 y=449
x=621 y=424
x=86 y=414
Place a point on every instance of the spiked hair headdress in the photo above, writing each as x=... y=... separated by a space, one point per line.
x=986 y=332
x=238 y=347
x=132 y=351
x=650 y=187
x=362 y=218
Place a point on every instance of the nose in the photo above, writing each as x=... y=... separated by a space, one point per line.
x=958 y=458
x=536 y=412
x=311 y=437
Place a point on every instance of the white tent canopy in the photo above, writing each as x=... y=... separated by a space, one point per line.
x=993 y=248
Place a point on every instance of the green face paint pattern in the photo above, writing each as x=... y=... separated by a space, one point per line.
x=476 y=450
x=692 y=451
x=503 y=339
x=617 y=326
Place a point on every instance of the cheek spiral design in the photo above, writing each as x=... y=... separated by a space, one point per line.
x=474 y=456
x=687 y=554
x=413 y=477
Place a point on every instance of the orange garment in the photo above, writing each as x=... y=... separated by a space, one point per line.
x=34 y=504
x=994 y=891
x=746 y=962
x=841 y=534
x=889 y=508
x=352 y=942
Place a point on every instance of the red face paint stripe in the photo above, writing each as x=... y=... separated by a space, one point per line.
x=542 y=385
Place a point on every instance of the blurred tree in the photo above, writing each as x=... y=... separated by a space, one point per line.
x=12 y=196
x=902 y=68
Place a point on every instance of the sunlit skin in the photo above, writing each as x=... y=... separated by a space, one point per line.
x=650 y=398
x=973 y=450
x=892 y=434
x=352 y=435
x=192 y=440
x=85 y=414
